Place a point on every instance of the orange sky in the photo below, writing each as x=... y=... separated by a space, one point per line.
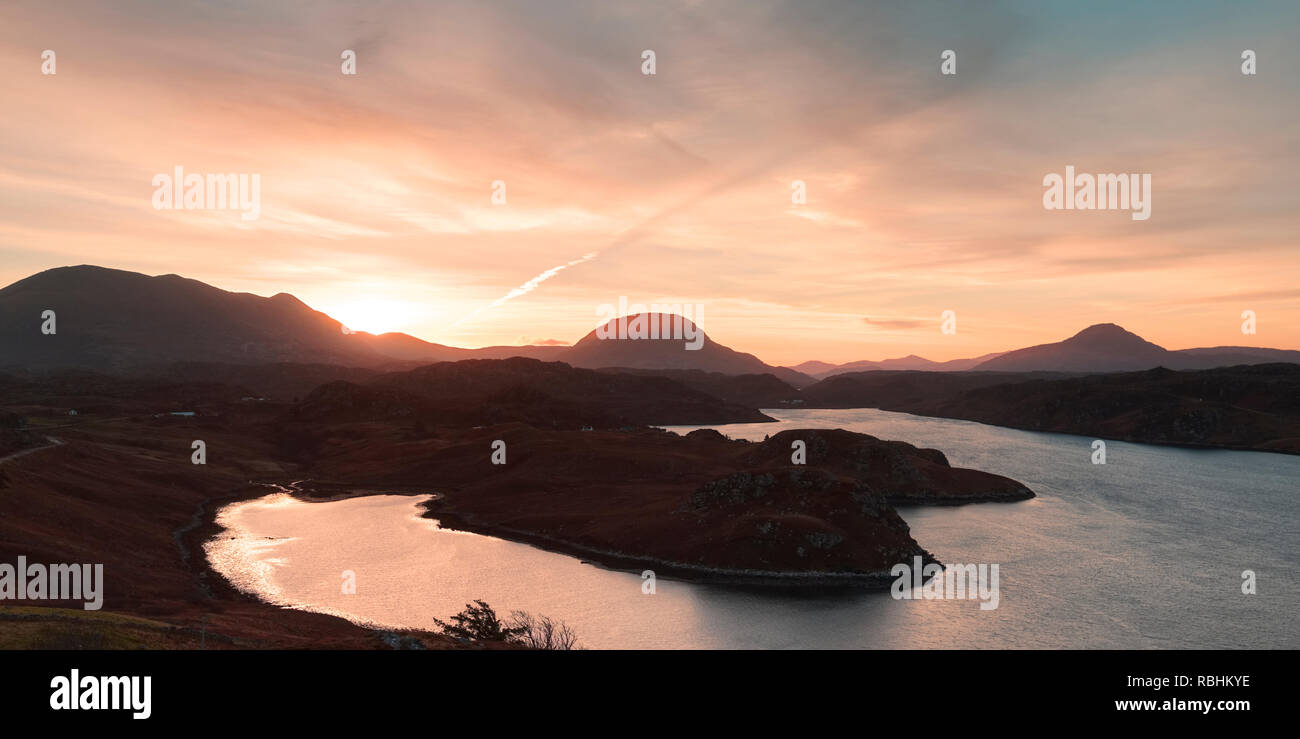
x=924 y=191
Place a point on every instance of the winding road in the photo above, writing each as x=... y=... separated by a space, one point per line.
x=21 y=453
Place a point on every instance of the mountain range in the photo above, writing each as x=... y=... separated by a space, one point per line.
x=111 y=320
x=822 y=370
x=115 y=321
x=1104 y=347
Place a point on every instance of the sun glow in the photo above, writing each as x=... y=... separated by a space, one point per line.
x=374 y=315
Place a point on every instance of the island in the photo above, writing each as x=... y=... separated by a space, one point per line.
x=698 y=506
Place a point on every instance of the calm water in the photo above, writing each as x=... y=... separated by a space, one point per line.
x=1146 y=551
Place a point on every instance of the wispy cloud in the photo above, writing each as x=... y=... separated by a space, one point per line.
x=898 y=323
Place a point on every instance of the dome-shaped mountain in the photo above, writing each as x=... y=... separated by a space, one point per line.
x=1104 y=347
x=596 y=352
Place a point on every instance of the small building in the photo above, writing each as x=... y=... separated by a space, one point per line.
x=72 y=413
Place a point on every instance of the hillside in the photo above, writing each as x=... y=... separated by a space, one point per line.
x=110 y=320
x=1244 y=407
x=519 y=390
x=752 y=391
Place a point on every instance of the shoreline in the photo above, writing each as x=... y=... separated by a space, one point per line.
x=216 y=587
x=633 y=563
x=920 y=501
x=436 y=509
x=1081 y=435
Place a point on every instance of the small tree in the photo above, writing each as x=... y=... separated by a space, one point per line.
x=542 y=632
x=478 y=622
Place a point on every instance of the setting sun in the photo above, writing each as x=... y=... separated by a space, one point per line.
x=374 y=315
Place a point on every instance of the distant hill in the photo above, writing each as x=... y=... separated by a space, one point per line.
x=1104 y=347
x=908 y=391
x=111 y=320
x=822 y=370
x=913 y=362
x=406 y=347
x=518 y=390
x=595 y=352
x=813 y=368
x=1243 y=407
x=1101 y=348
x=277 y=381
x=752 y=391
x=861 y=365
x=1227 y=356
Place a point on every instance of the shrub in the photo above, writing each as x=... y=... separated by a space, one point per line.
x=479 y=622
x=543 y=632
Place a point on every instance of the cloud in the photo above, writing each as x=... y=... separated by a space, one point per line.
x=898 y=323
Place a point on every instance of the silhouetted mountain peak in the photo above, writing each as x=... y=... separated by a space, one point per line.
x=1102 y=329
x=1104 y=347
x=69 y=277
x=288 y=299
x=1106 y=332
x=629 y=341
x=645 y=327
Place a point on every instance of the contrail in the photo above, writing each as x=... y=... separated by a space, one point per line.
x=529 y=286
x=749 y=174
x=626 y=237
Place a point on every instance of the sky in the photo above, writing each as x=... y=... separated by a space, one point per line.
x=924 y=191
